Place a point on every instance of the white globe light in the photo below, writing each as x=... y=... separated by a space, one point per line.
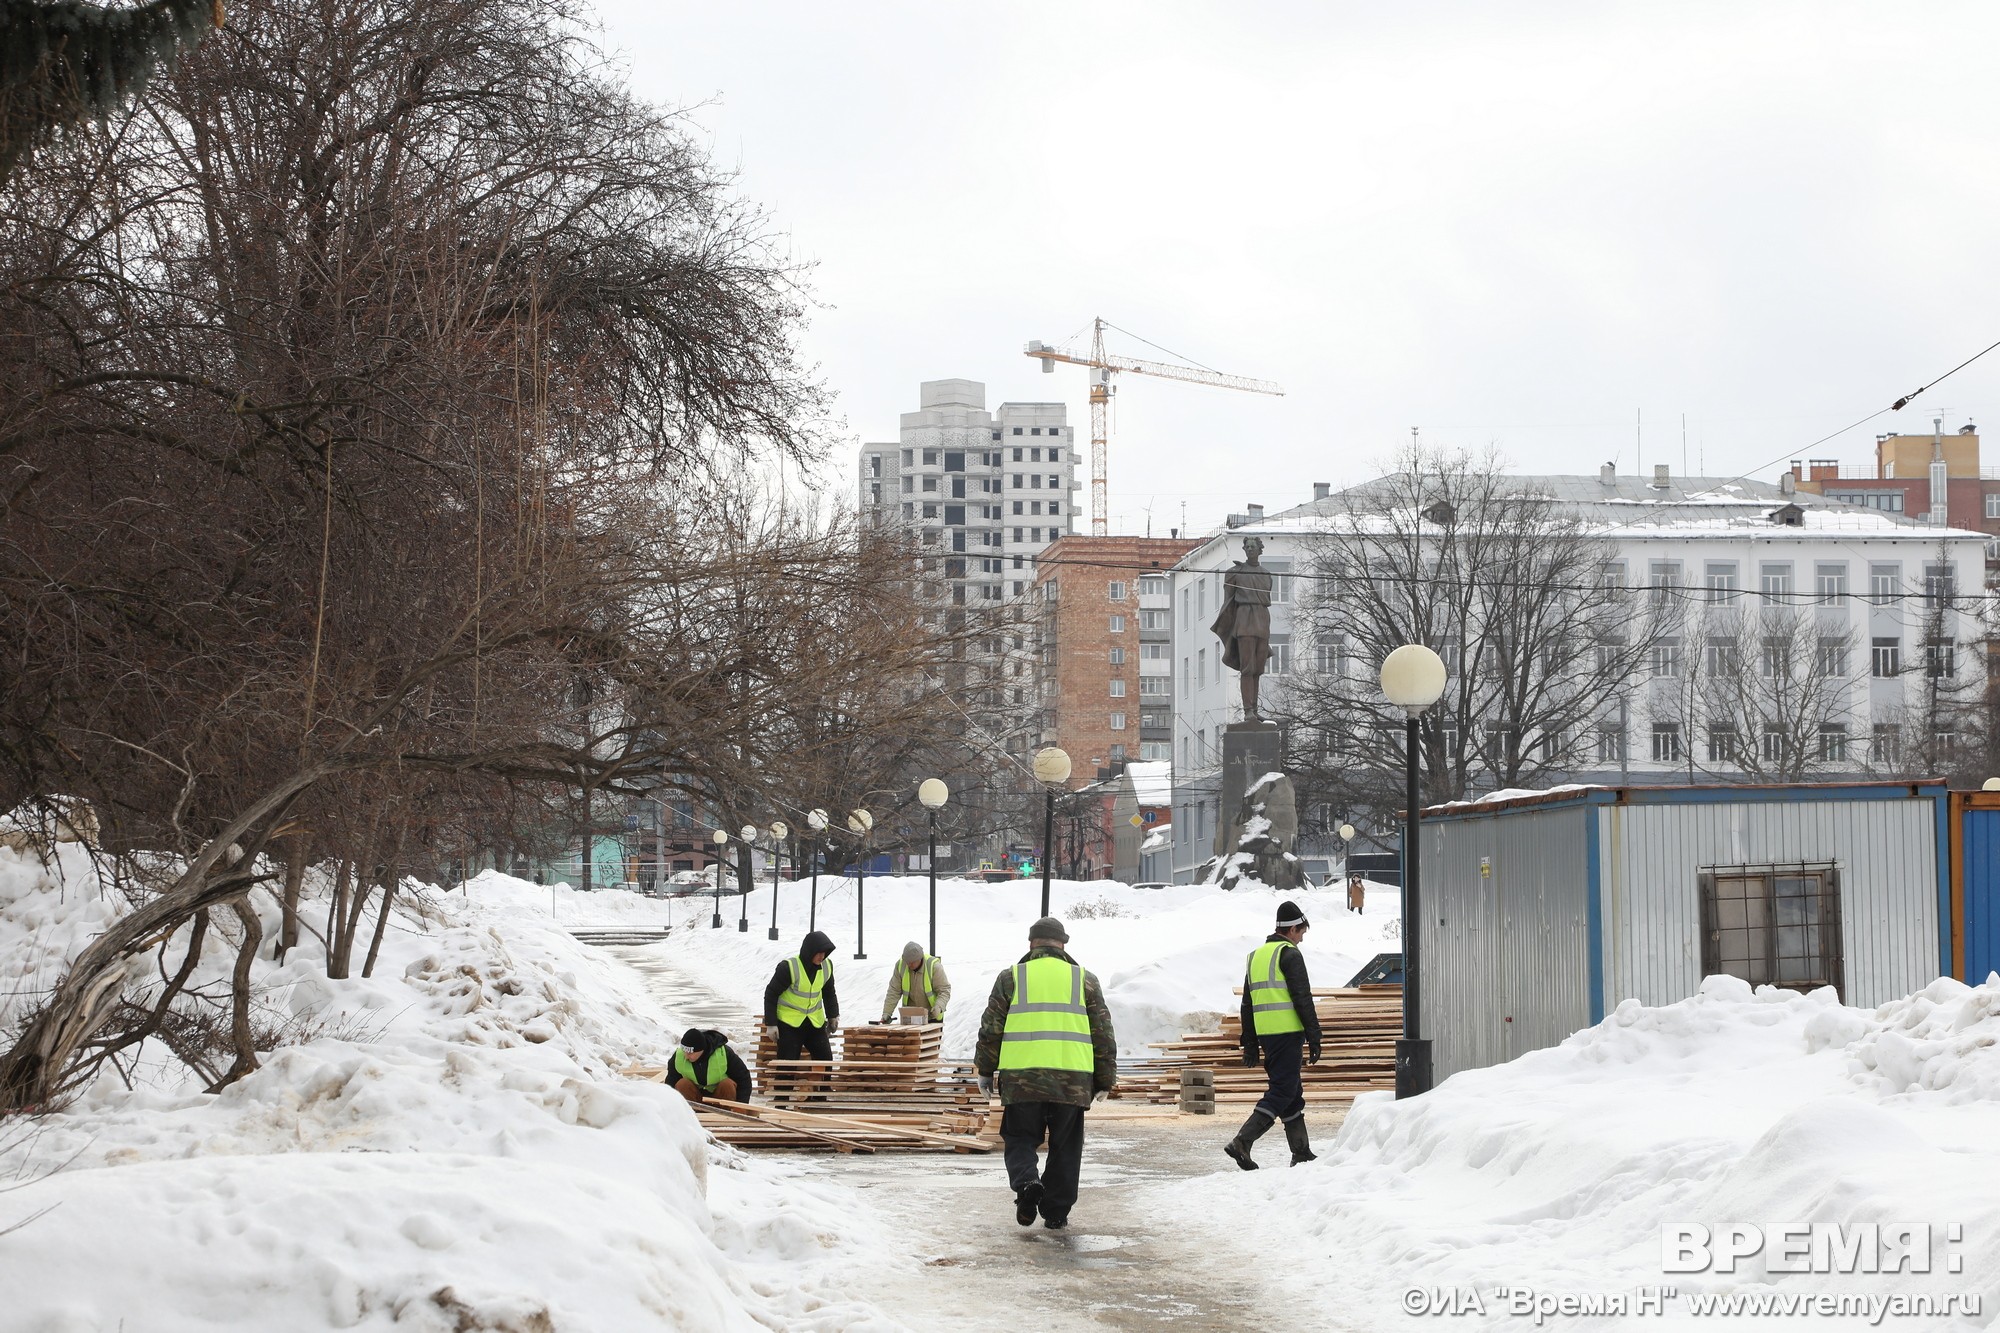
x=817 y=821
x=932 y=793
x=1413 y=677
x=1991 y=784
x=748 y=832
x=860 y=821
x=1052 y=766
x=721 y=837
x=1347 y=833
x=780 y=830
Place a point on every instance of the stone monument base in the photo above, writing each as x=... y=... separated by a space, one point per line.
x=1258 y=821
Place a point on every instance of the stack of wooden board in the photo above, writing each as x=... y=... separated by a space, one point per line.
x=815 y=1128
x=889 y=1059
x=1358 y=1026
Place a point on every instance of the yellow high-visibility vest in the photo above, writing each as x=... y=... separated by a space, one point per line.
x=800 y=1002
x=1271 y=1008
x=717 y=1070
x=1048 y=1026
x=930 y=983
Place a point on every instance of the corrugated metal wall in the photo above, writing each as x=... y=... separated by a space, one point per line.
x=1505 y=954
x=1886 y=849
x=1981 y=887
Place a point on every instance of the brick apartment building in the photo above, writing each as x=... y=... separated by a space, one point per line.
x=1907 y=467
x=1105 y=667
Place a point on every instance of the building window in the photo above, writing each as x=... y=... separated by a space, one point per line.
x=1885 y=745
x=1117 y=753
x=1721 y=580
x=1774 y=661
x=909 y=485
x=1055 y=455
x=930 y=510
x=1831 y=660
x=1055 y=506
x=1017 y=430
x=1775 y=580
x=1940 y=585
x=1610 y=746
x=1153 y=620
x=1772 y=925
x=1117 y=590
x=1035 y=430
x=1883 y=581
x=1055 y=482
x=1993 y=504
x=1117 y=624
x=1885 y=658
x=1772 y=744
x=1187 y=752
x=1118 y=722
x=1940 y=659
x=1611 y=576
x=1051 y=591
x=1187 y=679
x=1281 y=658
x=1201 y=663
x=1153 y=585
x=1833 y=742
x=1721 y=656
x=1154 y=652
x=1118 y=689
x=1117 y=657
x=1034 y=506
x=1722 y=744
x=1666 y=657
x=1156 y=686
x=930 y=484
x=908 y=457
x=1830 y=582
x=874 y=465
x=1017 y=458
x=1330 y=654
x=1019 y=479
x=1017 y=531
x=1667 y=742
x=930 y=457
x=1663 y=577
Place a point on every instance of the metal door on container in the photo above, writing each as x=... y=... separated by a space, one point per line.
x=1980 y=892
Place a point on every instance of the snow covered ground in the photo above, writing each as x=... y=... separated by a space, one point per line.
x=448 y=1146
x=1555 y=1174
x=1169 y=959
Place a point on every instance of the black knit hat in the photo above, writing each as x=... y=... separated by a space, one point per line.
x=1289 y=915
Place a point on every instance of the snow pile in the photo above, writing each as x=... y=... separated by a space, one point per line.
x=446 y=1146
x=1169 y=959
x=1558 y=1171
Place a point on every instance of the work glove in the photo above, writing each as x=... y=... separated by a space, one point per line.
x=1312 y=1054
x=1249 y=1057
x=1098 y=1100
x=986 y=1085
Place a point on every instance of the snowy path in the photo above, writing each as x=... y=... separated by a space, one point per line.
x=954 y=1256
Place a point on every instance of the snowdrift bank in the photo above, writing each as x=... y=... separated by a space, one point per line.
x=447 y=1146
x=1557 y=1171
x=1169 y=958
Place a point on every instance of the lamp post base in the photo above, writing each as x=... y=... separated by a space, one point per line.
x=743 y=927
x=774 y=933
x=717 y=923
x=1413 y=1067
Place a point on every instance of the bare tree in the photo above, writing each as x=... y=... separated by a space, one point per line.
x=1767 y=693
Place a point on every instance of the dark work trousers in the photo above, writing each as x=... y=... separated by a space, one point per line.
x=1022 y=1126
x=1284 y=1058
x=791 y=1041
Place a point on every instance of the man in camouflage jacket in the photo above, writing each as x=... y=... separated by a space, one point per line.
x=1051 y=1102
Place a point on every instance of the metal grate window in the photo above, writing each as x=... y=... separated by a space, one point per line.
x=1775 y=925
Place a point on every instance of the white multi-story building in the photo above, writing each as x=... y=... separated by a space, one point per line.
x=987 y=489
x=1884 y=594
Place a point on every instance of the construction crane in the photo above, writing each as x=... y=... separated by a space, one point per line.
x=1102 y=367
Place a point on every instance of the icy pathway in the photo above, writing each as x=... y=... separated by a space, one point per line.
x=955 y=1258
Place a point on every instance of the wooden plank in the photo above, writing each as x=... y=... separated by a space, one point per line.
x=844 y=1145
x=767 y=1111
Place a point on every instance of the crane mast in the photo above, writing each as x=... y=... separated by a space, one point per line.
x=1102 y=367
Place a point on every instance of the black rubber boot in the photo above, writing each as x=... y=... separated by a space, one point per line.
x=1253 y=1129
x=1026 y=1201
x=1295 y=1135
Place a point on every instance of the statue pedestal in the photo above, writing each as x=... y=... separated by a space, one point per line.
x=1258 y=820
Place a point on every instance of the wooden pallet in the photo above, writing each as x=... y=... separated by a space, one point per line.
x=1358 y=1028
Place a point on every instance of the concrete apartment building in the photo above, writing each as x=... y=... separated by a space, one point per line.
x=1106 y=649
x=1868 y=575
x=987 y=490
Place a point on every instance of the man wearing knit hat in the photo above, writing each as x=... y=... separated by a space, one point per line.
x=1280 y=1027
x=1046 y=1037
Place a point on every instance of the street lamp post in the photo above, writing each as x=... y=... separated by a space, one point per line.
x=816 y=821
x=1051 y=770
x=778 y=834
x=1412 y=679
x=721 y=843
x=749 y=835
x=858 y=823
x=933 y=794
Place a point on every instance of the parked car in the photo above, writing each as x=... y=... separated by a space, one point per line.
x=991 y=876
x=1151 y=884
x=684 y=883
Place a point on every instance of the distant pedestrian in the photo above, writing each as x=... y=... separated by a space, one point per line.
x=707 y=1066
x=1280 y=1028
x=1046 y=1038
x=1356 y=893
x=918 y=980
x=801 y=1004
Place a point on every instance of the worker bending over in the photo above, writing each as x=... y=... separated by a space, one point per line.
x=918 y=980
x=707 y=1066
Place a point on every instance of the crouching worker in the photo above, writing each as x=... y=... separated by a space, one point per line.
x=707 y=1066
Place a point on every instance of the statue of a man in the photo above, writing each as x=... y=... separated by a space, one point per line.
x=1244 y=622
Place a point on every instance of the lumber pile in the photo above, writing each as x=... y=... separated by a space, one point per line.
x=1359 y=1026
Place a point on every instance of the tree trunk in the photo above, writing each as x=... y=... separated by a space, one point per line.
x=295 y=878
x=392 y=877
x=240 y=1035
x=336 y=912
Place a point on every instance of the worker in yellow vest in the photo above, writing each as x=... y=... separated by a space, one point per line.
x=920 y=980
x=707 y=1066
x=1280 y=1029
x=800 y=1002
x=1046 y=1040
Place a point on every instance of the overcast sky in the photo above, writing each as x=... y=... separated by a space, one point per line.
x=1516 y=225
